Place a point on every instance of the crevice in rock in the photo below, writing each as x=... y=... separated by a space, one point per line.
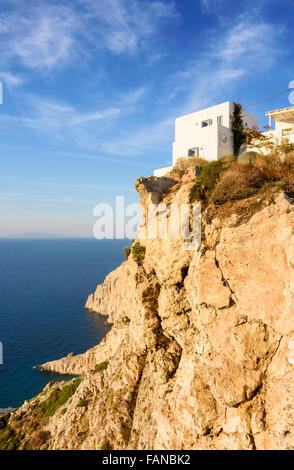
x=128 y=425
x=225 y=281
x=273 y=355
x=184 y=273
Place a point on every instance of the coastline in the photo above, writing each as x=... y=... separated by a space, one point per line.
x=4 y=411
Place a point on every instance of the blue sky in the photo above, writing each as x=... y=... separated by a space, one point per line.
x=92 y=88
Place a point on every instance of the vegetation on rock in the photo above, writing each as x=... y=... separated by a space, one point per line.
x=138 y=252
x=210 y=174
x=239 y=137
x=101 y=366
x=182 y=164
x=59 y=397
x=127 y=250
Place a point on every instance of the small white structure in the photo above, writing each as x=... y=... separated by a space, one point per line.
x=206 y=133
x=284 y=125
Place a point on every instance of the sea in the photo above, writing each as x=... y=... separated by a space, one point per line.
x=44 y=284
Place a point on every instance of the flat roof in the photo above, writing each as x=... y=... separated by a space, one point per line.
x=204 y=109
x=285 y=114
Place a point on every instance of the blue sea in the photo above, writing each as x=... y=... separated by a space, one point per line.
x=44 y=285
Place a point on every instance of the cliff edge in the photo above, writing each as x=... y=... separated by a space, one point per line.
x=201 y=351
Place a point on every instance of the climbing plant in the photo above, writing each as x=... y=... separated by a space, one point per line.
x=239 y=137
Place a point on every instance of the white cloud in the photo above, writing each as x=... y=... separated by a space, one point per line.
x=44 y=36
x=11 y=80
x=38 y=37
x=47 y=114
x=124 y=24
x=132 y=97
x=155 y=137
x=235 y=53
x=248 y=44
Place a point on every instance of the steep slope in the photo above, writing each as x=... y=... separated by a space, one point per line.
x=201 y=351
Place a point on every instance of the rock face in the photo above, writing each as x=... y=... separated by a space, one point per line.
x=201 y=352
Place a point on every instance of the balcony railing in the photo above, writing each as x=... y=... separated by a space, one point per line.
x=286 y=132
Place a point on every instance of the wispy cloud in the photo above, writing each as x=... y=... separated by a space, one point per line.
x=132 y=96
x=125 y=24
x=39 y=36
x=234 y=53
x=45 y=36
x=11 y=80
x=43 y=113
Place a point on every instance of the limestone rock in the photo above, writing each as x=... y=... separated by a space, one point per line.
x=201 y=350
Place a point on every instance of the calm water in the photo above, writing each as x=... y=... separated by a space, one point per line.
x=43 y=287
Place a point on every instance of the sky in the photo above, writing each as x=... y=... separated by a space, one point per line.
x=91 y=89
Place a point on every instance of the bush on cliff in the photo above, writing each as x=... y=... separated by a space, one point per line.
x=127 y=250
x=4 y=421
x=138 y=252
x=101 y=366
x=209 y=175
x=83 y=403
x=182 y=164
x=9 y=440
x=238 y=182
x=58 y=397
x=38 y=439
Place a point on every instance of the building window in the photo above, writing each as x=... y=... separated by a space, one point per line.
x=220 y=119
x=289 y=131
x=194 y=152
x=206 y=123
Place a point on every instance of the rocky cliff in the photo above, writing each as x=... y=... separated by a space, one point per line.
x=201 y=351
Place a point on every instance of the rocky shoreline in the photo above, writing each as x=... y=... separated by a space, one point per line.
x=4 y=411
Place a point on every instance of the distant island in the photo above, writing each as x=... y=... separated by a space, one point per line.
x=37 y=235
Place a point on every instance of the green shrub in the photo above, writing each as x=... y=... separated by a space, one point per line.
x=58 y=397
x=102 y=366
x=4 y=421
x=139 y=278
x=83 y=403
x=256 y=206
x=206 y=181
x=63 y=411
x=138 y=252
x=239 y=136
x=9 y=440
x=127 y=251
x=105 y=446
x=111 y=397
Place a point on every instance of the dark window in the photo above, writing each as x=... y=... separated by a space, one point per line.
x=194 y=152
x=206 y=123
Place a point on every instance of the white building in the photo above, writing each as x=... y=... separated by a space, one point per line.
x=206 y=133
x=284 y=125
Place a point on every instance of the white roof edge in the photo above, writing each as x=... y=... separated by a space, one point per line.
x=204 y=109
x=282 y=110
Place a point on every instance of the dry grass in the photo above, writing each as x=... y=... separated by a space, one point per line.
x=226 y=187
x=38 y=439
x=182 y=164
x=238 y=182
